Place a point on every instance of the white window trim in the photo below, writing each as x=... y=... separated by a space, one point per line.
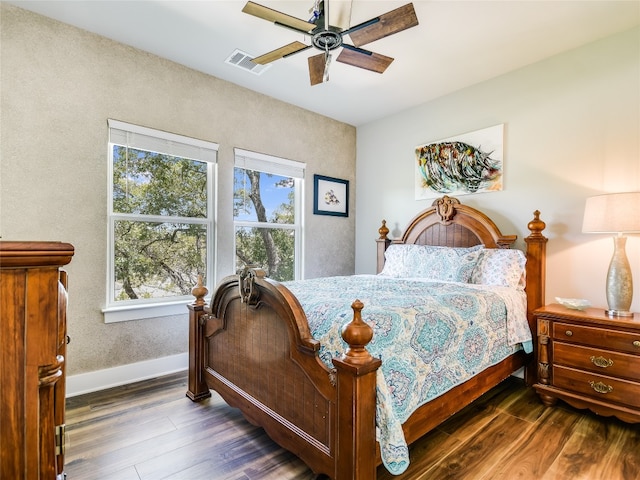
x=268 y=164
x=287 y=168
x=169 y=144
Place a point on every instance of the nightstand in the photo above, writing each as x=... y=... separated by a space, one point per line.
x=589 y=360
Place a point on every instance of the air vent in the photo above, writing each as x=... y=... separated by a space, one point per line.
x=243 y=60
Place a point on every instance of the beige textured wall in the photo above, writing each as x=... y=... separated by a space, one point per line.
x=59 y=85
x=572 y=130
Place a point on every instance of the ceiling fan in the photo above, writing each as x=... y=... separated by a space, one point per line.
x=327 y=38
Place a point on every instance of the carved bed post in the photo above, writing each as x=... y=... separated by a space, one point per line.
x=382 y=244
x=543 y=361
x=536 y=273
x=356 y=402
x=198 y=389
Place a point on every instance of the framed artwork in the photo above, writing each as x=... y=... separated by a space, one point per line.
x=331 y=196
x=460 y=165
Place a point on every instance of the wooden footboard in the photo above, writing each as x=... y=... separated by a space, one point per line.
x=253 y=346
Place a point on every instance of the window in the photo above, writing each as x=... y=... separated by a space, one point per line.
x=267 y=213
x=160 y=220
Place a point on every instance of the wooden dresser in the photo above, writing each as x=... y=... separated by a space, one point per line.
x=589 y=360
x=33 y=301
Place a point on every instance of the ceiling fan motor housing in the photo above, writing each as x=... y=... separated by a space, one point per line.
x=326 y=39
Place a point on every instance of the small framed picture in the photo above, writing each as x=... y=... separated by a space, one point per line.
x=331 y=196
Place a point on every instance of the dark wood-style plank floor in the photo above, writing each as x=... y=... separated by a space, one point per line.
x=151 y=431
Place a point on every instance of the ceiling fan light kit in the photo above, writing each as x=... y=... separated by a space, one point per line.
x=326 y=38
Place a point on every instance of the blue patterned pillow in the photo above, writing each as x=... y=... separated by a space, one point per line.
x=435 y=263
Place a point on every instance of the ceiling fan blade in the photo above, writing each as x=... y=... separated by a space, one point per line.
x=281 y=52
x=359 y=57
x=278 y=18
x=316 y=68
x=387 y=24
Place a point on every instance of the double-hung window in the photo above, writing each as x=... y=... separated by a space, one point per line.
x=161 y=220
x=268 y=193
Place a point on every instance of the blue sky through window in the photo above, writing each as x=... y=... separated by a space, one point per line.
x=272 y=195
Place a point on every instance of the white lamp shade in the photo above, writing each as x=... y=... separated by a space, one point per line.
x=612 y=213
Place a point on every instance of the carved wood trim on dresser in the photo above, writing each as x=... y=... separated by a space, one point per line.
x=589 y=360
x=33 y=338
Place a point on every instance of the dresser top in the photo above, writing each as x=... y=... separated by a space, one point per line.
x=591 y=315
x=29 y=254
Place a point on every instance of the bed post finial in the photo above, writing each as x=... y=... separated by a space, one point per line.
x=536 y=226
x=199 y=291
x=357 y=334
x=383 y=230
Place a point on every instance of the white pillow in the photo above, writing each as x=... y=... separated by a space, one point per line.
x=500 y=266
x=433 y=262
x=394 y=260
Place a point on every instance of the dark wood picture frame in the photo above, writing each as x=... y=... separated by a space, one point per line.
x=330 y=196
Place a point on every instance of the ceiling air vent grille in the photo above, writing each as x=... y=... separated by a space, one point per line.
x=242 y=60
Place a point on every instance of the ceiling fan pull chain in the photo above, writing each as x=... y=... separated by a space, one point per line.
x=327 y=61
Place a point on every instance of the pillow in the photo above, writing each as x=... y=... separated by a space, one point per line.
x=394 y=260
x=498 y=266
x=432 y=262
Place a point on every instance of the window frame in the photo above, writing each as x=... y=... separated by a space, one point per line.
x=157 y=141
x=270 y=164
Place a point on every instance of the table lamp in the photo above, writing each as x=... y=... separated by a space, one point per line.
x=617 y=213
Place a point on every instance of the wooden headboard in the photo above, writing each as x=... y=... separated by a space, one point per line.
x=449 y=223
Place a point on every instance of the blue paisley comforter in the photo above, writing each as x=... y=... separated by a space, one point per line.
x=430 y=336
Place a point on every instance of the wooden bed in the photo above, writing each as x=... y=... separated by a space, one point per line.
x=253 y=346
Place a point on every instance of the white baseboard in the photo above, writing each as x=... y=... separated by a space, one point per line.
x=124 y=374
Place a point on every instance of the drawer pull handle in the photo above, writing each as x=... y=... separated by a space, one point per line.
x=636 y=343
x=601 y=387
x=601 y=362
x=568 y=333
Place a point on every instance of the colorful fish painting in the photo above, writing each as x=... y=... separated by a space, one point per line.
x=455 y=166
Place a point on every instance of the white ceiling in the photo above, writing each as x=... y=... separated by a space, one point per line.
x=457 y=43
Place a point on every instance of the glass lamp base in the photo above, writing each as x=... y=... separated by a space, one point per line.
x=619 y=281
x=619 y=313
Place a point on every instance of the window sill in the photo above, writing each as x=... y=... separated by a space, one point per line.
x=126 y=313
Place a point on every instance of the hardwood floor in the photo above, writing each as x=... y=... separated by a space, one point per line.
x=151 y=431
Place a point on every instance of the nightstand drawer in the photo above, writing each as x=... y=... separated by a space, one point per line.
x=605 y=388
x=598 y=337
x=604 y=362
